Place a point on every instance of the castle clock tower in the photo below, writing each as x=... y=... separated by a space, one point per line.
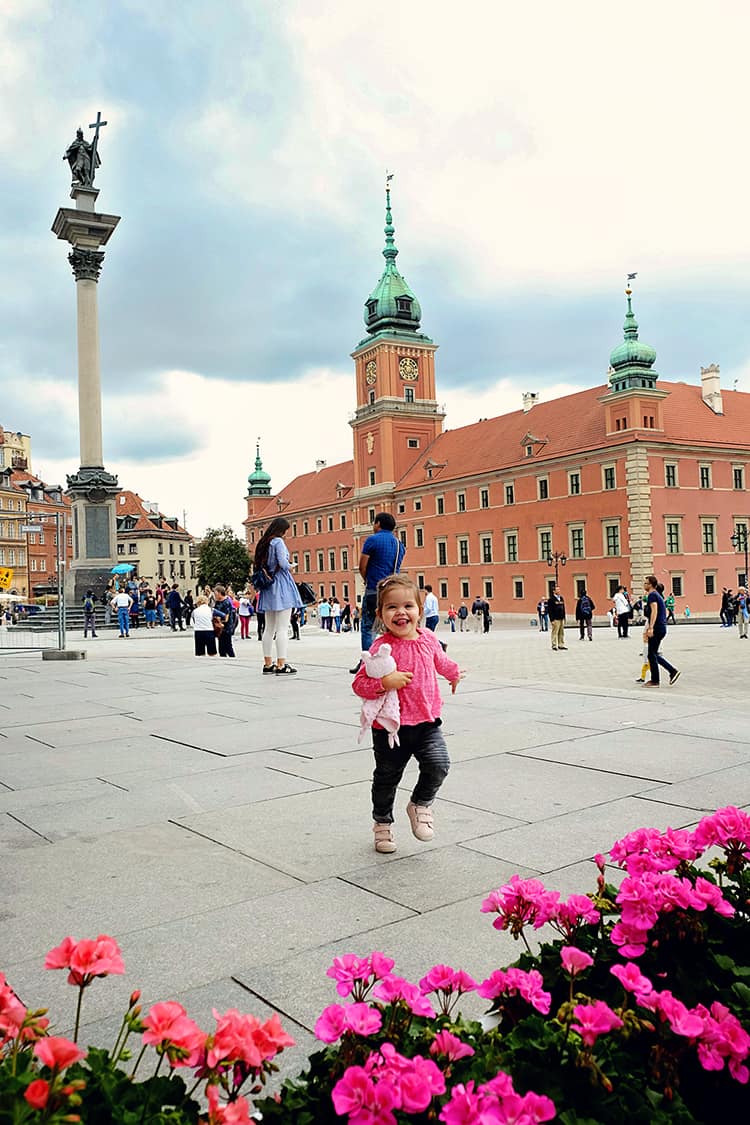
x=397 y=415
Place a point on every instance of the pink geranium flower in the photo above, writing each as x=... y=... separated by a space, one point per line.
x=347 y=970
x=233 y=1113
x=174 y=1034
x=86 y=959
x=330 y=1024
x=574 y=960
x=519 y=903
x=357 y=1095
x=450 y=1046
x=392 y=989
x=37 y=1093
x=511 y=982
x=58 y=1053
x=442 y=978
x=244 y=1039
x=12 y=1012
x=633 y=980
x=594 y=1020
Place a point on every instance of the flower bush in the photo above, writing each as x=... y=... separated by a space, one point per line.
x=46 y=1078
x=634 y=1009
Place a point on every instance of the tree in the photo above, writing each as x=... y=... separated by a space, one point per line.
x=223 y=559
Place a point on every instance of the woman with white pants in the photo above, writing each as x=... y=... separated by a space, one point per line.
x=279 y=599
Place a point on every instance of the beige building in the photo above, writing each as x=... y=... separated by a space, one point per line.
x=155 y=545
x=15 y=450
x=13 y=544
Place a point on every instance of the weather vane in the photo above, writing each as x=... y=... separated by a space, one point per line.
x=388 y=178
x=631 y=277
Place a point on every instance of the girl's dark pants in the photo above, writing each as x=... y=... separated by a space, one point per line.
x=424 y=742
x=654 y=659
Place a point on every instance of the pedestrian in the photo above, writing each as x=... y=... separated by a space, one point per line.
x=160 y=603
x=584 y=614
x=135 y=609
x=724 y=605
x=477 y=612
x=121 y=603
x=486 y=616
x=202 y=620
x=355 y=618
x=225 y=611
x=89 y=614
x=173 y=603
x=149 y=609
x=382 y=555
x=294 y=622
x=324 y=613
x=346 y=616
x=542 y=615
x=730 y=610
x=419 y=659
x=431 y=610
x=656 y=631
x=336 y=613
x=245 y=611
x=260 y=615
x=452 y=617
x=463 y=614
x=187 y=608
x=743 y=612
x=669 y=603
x=279 y=599
x=556 y=611
x=622 y=610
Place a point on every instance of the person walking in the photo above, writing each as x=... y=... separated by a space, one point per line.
x=382 y=555
x=463 y=614
x=244 y=612
x=452 y=617
x=724 y=605
x=556 y=611
x=419 y=660
x=743 y=612
x=355 y=618
x=336 y=613
x=656 y=631
x=224 y=610
x=294 y=622
x=486 y=616
x=669 y=603
x=89 y=614
x=584 y=614
x=324 y=613
x=202 y=620
x=160 y=603
x=622 y=610
x=542 y=615
x=121 y=603
x=174 y=605
x=431 y=610
x=279 y=599
x=477 y=612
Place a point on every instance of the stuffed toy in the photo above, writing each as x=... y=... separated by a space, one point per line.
x=386 y=707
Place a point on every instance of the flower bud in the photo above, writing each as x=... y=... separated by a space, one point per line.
x=134 y=998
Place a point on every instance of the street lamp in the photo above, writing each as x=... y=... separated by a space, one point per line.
x=739 y=542
x=556 y=559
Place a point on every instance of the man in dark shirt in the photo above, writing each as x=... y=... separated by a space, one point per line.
x=656 y=618
x=174 y=605
x=556 y=611
x=382 y=554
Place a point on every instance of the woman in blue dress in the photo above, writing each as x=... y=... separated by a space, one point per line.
x=281 y=597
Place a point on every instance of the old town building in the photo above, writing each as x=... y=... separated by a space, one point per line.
x=620 y=480
x=12 y=540
x=47 y=508
x=155 y=545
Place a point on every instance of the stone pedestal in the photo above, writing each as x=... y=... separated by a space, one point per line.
x=92 y=489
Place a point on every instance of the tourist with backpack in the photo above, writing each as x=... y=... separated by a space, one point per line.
x=89 y=614
x=584 y=614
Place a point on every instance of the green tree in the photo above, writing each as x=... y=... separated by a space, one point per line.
x=223 y=559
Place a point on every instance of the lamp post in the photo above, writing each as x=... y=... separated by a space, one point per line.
x=739 y=542
x=556 y=559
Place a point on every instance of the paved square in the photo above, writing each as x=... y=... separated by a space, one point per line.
x=217 y=823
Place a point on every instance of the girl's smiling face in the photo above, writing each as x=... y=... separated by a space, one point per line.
x=400 y=612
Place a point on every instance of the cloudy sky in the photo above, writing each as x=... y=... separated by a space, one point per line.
x=541 y=152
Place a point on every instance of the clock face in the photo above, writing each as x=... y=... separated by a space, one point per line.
x=371 y=372
x=408 y=369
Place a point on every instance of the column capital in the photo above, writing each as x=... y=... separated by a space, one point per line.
x=93 y=482
x=86 y=263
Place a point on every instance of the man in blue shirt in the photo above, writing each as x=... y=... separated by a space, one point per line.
x=382 y=554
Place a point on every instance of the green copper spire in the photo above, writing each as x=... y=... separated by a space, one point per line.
x=631 y=361
x=259 y=482
x=392 y=304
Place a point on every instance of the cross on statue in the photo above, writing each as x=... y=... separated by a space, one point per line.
x=96 y=125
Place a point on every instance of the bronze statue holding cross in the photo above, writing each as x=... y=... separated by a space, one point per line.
x=82 y=155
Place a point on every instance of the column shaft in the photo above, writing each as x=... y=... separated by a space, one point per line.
x=89 y=377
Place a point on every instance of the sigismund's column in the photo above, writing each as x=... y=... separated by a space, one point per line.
x=92 y=489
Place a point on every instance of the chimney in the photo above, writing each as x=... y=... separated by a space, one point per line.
x=529 y=399
x=711 y=388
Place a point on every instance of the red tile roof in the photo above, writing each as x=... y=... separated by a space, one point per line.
x=130 y=504
x=309 y=491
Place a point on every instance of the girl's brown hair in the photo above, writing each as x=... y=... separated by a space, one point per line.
x=387 y=584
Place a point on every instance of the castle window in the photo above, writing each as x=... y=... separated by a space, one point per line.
x=460 y=501
x=574 y=484
x=417 y=505
x=442 y=552
x=401 y=509
x=463 y=552
x=413 y=443
x=518 y=587
x=409 y=394
x=306 y=527
x=440 y=505
x=464 y=588
x=403 y=306
x=330 y=523
x=529 y=450
x=739 y=477
x=318 y=525
x=509 y=494
x=708 y=535
x=484 y=497
x=488 y=588
x=331 y=560
x=487 y=548
x=419 y=537
x=443 y=589
x=320 y=561
x=511 y=546
x=608 y=477
x=371 y=397
x=342 y=521
x=371 y=476
x=307 y=562
x=344 y=558
x=673 y=538
x=372 y=309
x=670 y=476
x=612 y=538
x=705 y=476
x=709 y=582
x=543 y=483
x=576 y=543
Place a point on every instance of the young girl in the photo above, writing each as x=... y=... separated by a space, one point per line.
x=418 y=657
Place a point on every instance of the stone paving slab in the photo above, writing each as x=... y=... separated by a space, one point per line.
x=710 y=791
x=647 y=754
x=550 y=844
x=471 y=739
x=532 y=790
x=216 y=943
x=38 y=765
x=329 y=832
x=268 y=733
x=16 y=837
x=715 y=724
x=79 y=732
x=18 y=800
x=162 y=873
